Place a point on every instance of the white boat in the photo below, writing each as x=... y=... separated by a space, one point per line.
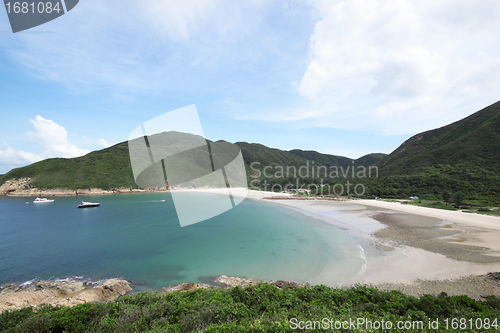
x=42 y=200
x=88 y=204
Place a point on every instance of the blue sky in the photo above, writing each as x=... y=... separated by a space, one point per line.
x=341 y=77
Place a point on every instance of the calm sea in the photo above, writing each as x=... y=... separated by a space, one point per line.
x=138 y=237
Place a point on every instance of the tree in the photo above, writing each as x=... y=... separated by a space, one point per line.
x=446 y=196
x=458 y=198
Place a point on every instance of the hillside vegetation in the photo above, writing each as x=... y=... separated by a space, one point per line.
x=265 y=308
x=462 y=159
x=111 y=168
x=107 y=168
x=471 y=142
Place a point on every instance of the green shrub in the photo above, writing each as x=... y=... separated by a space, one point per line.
x=260 y=308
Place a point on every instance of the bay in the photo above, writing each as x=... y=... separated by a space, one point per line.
x=138 y=237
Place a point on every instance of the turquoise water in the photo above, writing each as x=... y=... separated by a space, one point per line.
x=138 y=237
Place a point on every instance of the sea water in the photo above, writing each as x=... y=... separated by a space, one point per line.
x=138 y=237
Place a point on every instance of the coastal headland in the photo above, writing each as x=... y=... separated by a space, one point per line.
x=22 y=188
x=66 y=292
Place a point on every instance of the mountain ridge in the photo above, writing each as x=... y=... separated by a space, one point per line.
x=111 y=167
x=463 y=156
x=473 y=140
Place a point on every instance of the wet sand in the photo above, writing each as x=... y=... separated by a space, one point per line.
x=416 y=250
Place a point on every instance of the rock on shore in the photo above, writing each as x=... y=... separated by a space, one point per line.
x=68 y=293
x=229 y=282
x=475 y=286
x=22 y=188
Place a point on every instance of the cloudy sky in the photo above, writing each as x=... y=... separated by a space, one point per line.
x=340 y=77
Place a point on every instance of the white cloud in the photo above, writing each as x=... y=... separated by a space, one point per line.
x=104 y=143
x=386 y=66
x=401 y=66
x=11 y=156
x=51 y=139
x=137 y=46
x=176 y=19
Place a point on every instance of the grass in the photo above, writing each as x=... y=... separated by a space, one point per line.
x=466 y=207
x=391 y=200
x=430 y=204
x=495 y=212
x=261 y=308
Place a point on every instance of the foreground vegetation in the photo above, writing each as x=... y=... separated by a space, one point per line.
x=261 y=308
x=456 y=184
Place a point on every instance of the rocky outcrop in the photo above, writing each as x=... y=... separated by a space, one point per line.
x=231 y=282
x=70 y=293
x=22 y=187
x=15 y=185
x=185 y=287
x=67 y=293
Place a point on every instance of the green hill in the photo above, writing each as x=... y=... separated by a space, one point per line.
x=463 y=157
x=323 y=159
x=473 y=141
x=370 y=159
x=254 y=152
x=111 y=168
x=106 y=169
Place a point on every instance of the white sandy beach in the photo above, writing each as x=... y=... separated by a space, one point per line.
x=478 y=220
x=405 y=264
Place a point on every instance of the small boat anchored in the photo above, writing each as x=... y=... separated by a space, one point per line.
x=42 y=200
x=88 y=204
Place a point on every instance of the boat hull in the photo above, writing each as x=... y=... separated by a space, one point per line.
x=43 y=200
x=88 y=205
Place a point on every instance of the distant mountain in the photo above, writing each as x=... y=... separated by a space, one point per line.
x=254 y=152
x=323 y=159
x=111 y=168
x=461 y=157
x=370 y=159
x=471 y=142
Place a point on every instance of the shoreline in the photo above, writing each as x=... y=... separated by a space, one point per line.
x=61 y=292
x=32 y=193
x=74 y=291
x=389 y=259
x=412 y=246
x=407 y=247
